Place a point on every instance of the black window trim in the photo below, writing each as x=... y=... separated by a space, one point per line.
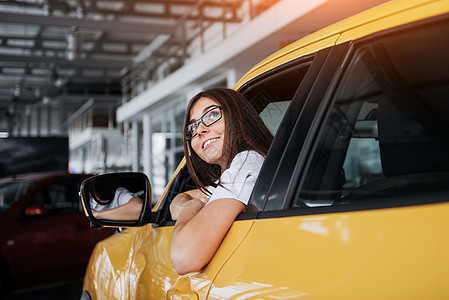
x=381 y=204
x=278 y=71
x=262 y=185
x=325 y=71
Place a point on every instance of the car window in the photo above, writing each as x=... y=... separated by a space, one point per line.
x=385 y=136
x=10 y=192
x=273 y=113
x=279 y=95
x=272 y=93
x=60 y=197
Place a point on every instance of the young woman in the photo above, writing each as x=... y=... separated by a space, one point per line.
x=227 y=142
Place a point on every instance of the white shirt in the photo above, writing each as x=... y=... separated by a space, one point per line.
x=122 y=196
x=237 y=182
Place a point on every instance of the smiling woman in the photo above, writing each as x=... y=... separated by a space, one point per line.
x=227 y=142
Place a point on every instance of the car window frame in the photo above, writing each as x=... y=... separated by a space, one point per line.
x=300 y=159
x=276 y=150
x=282 y=158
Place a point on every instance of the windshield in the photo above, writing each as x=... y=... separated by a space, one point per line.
x=10 y=192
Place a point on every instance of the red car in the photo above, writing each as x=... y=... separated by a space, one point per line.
x=44 y=235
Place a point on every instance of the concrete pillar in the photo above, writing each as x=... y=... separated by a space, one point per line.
x=49 y=119
x=135 y=146
x=147 y=167
x=38 y=121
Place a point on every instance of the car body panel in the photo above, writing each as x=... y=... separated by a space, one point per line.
x=417 y=10
x=107 y=256
x=334 y=251
x=146 y=272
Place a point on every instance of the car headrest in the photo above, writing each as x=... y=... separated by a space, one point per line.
x=412 y=138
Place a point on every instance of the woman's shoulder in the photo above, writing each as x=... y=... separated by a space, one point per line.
x=247 y=157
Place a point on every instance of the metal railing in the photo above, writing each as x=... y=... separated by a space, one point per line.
x=91 y=114
x=189 y=40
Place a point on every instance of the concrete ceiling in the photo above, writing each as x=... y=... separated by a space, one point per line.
x=76 y=49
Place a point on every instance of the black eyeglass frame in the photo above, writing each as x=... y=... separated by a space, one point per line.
x=200 y=120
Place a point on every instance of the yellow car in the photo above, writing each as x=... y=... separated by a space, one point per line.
x=352 y=200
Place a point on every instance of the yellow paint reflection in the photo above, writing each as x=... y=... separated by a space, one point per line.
x=254 y=290
x=314 y=226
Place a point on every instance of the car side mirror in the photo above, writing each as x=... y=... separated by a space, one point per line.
x=117 y=200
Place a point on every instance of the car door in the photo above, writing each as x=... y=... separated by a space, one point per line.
x=271 y=98
x=359 y=209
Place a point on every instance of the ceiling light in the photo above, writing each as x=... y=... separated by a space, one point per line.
x=45 y=100
x=72 y=44
x=17 y=90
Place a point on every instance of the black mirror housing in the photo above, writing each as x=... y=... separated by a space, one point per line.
x=113 y=192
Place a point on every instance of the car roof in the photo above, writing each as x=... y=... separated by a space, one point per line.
x=40 y=176
x=381 y=17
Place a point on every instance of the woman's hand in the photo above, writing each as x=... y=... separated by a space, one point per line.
x=96 y=214
x=187 y=209
x=186 y=205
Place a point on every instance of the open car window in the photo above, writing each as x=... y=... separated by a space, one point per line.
x=181 y=183
x=272 y=93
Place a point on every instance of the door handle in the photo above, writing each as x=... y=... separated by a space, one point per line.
x=181 y=290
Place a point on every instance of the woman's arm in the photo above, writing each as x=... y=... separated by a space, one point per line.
x=199 y=231
x=129 y=211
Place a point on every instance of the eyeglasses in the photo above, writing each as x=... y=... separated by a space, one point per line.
x=209 y=118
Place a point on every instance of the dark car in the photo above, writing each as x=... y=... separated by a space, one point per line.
x=44 y=235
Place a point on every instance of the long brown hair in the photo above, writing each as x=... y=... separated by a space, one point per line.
x=245 y=130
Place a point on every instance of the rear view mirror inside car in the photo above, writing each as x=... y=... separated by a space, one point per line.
x=117 y=199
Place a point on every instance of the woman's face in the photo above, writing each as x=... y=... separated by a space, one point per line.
x=208 y=143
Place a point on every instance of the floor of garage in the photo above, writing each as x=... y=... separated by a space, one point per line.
x=67 y=290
